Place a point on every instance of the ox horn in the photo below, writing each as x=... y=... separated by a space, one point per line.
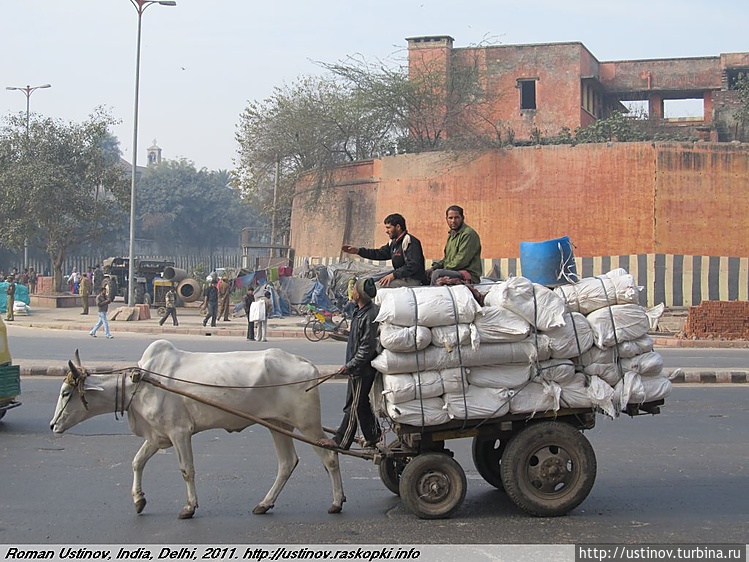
x=74 y=371
x=78 y=359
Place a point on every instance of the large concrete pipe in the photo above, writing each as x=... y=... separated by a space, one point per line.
x=174 y=274
x=188 y=290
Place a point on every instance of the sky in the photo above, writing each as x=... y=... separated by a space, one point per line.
x=203 y=61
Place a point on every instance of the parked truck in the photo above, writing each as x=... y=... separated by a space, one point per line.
x=116 y=272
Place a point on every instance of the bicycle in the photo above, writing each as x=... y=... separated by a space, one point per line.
x=321 y=323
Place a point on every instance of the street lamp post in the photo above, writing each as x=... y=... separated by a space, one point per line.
x=140 y=7
x=28 y=90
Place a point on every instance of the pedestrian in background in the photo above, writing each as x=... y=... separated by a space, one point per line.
x=249 y=298
x=171 y=307
x=10 y=291
x=32 y=280
x=97 y=278
x=85 y=290
x=224 y=295
x=102 y=303
x=259 y=312
x=211 y=303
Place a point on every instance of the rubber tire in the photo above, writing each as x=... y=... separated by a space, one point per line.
x=535 y=451
x=391 y=470
x=487 y=458
x=314 y=331
x=422 y=475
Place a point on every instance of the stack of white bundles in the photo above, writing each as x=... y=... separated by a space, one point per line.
x=404 y=338
x=572 y=339
x=497 y=324
x=478 y=403
x=536 y=304
x=451 y=336
x=621 y=322
x=438 y=358
x=592 y=293
x=429 y=411
x=427 y=306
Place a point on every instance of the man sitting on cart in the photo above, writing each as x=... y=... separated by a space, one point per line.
x=403 y=249
x=360 y=350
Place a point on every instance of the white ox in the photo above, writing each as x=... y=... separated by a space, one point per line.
x=271 y=385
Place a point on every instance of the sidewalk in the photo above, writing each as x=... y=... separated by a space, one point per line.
x=191 y=323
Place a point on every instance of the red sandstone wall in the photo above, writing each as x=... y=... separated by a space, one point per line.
x=611 y=199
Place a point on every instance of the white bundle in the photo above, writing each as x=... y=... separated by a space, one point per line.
x=650 y=363
x=609 y=372
x=629 y=323
x=427 y=306
x=410 y=413
x=438 y=358
x=629 y=390
x=624 y=348
x=655 y=388
x=404 y=338
x=453 y=380
x=536 y=397
x=560 y=371
x=593 y=293
x=450 y=336
x=578 y=394
x=408 y=386
x=497 y=324
x=572 y=339
x=511 y=375
x=478 y=403
x=538 y=305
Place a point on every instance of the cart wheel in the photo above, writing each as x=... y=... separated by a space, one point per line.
x=548 y=469
x=390 y=473
x=433 y=486
x=487 y=458
x=314 y=331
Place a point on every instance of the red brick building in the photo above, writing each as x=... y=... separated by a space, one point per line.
x=551 y=86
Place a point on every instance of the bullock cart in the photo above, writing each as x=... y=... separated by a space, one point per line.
x=543 y=462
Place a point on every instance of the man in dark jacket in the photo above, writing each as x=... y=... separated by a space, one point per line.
x=360 y=350
x=403 y=249
x=211 y=303
x=249 y=298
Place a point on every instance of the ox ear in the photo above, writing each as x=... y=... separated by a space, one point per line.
x=90 y=386
x=74 y=370
x=77 y=359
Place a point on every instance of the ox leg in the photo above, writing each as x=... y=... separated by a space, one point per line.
x=146 y=451
x=287 y=461
x=332 y=466
x=183 y=445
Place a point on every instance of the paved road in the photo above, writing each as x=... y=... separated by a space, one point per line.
x=676 y=477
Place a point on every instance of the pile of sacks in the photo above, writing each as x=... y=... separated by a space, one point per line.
x=528 y=349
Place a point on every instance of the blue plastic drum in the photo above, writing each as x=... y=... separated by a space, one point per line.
x=550 y=263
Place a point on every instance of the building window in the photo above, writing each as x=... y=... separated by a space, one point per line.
x=527 y=94
x=733 y=76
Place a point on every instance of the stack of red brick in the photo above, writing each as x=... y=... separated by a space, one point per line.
x=728 y=320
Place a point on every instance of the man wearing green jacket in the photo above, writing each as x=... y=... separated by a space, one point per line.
x=462 y=251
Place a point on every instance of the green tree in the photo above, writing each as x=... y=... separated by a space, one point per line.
x=62 y=183
x=181 y=207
